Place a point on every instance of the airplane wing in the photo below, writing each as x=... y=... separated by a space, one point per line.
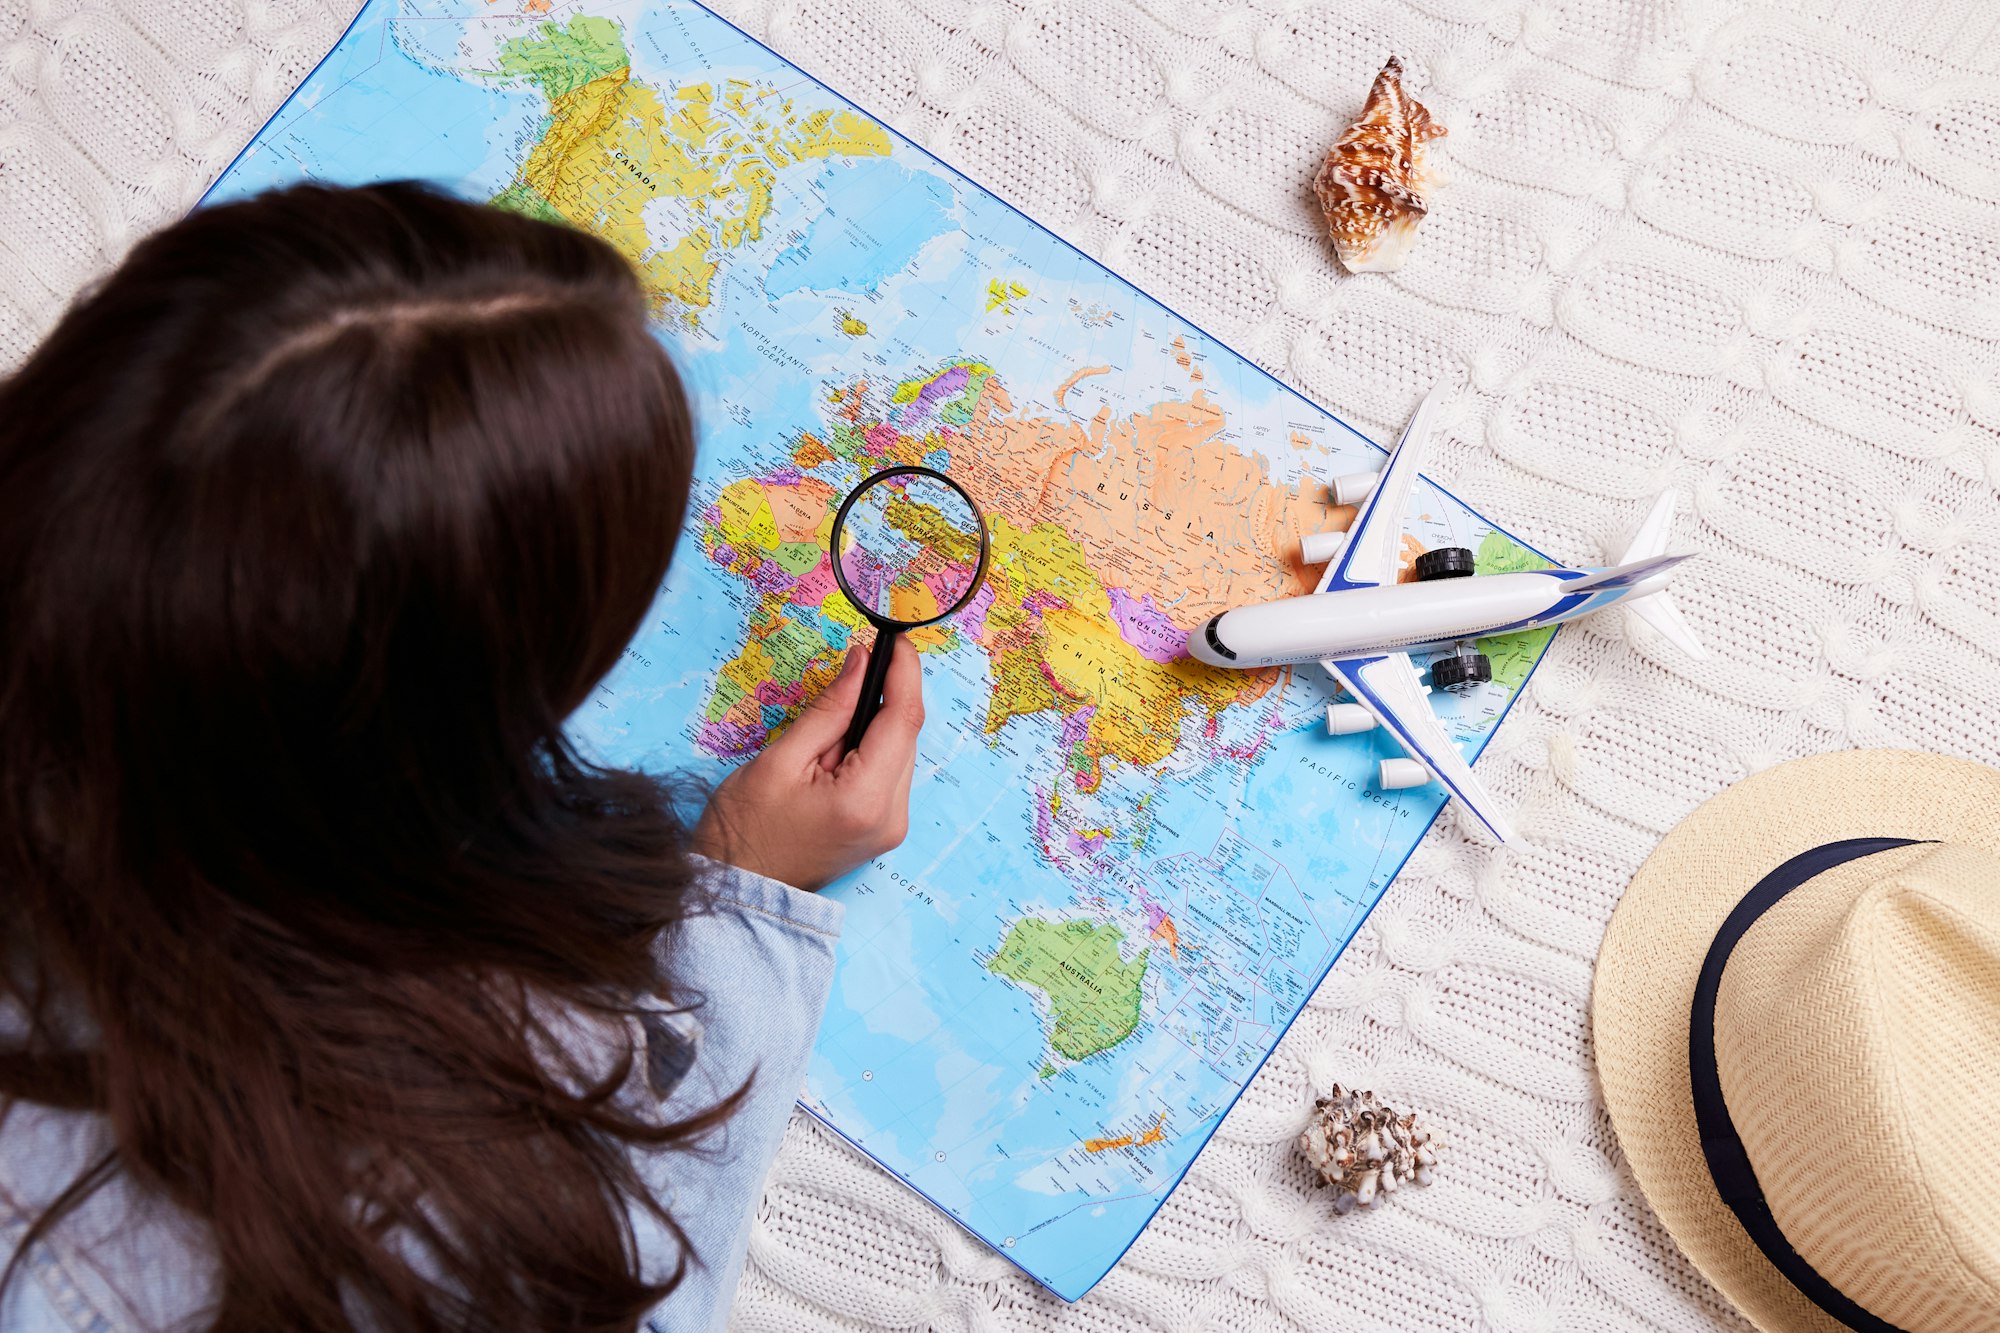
x=1386 y=685
x=1368 y=558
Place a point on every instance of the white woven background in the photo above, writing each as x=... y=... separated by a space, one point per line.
x=1751 y=252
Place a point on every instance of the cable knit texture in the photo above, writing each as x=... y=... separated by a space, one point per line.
x=1751 y=252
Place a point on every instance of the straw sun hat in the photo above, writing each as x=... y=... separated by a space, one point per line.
x=1797 y=1021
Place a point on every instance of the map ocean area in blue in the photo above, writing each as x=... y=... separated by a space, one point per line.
x=1117 y=890
x=839 y=252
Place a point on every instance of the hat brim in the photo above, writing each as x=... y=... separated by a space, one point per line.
x=1661 y=932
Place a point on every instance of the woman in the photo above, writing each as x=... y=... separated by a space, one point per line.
x=338 y=990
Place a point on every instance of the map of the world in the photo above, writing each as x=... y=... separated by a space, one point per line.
x=1126 y=871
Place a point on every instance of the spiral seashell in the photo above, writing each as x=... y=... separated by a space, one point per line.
x=1363 y=1150
x=1373 y=186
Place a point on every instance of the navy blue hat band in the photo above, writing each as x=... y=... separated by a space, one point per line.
x=1728 y=1162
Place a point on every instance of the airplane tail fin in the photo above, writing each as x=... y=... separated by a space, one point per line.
x=1657 y=608
x=1654 y=533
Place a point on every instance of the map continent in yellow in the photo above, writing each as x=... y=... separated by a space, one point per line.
x=613 y=147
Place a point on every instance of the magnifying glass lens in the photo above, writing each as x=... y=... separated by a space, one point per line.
x=909 y=548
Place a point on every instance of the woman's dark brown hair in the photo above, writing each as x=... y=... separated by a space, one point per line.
x=317 y=518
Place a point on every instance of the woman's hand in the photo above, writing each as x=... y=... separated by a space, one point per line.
x=800 y=812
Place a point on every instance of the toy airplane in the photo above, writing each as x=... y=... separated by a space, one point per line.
x=1362 y=625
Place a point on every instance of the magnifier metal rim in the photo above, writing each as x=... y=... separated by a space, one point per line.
x=840 y=521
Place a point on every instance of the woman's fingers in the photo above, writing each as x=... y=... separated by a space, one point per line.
x=890 y=743
x=874 y=781
x=802 y=813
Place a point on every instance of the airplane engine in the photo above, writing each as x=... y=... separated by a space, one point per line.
x=1397 y=774
x=1316 y=548
x=1352 y=488
x=1348 y=719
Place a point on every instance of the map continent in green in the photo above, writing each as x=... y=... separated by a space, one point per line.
x=1093 y=993
x=561 y=60
x=1513 y=655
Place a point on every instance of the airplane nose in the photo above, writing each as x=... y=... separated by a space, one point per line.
x=1215 y=644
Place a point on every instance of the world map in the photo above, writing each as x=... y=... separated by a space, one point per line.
x=1126 y=871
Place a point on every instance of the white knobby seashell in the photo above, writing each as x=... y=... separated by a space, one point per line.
x=1363 y=1149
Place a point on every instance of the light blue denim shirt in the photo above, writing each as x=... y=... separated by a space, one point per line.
x=763 y=960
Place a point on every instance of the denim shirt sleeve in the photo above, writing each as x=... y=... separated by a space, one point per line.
x=762 y=959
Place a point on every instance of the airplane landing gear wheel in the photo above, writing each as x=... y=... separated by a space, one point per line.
x=1461 y=671
x=1447 y=562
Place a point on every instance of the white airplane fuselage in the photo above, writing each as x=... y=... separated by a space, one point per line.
x=1399 y=617
x=1360 y=624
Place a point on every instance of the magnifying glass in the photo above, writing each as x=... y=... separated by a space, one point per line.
x=909 y=548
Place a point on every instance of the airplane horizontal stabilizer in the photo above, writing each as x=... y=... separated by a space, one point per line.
x=1660 y=612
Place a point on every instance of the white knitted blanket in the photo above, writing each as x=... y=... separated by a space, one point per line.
x=1748 y=251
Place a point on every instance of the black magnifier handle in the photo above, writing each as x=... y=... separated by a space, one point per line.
x=872 y=682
